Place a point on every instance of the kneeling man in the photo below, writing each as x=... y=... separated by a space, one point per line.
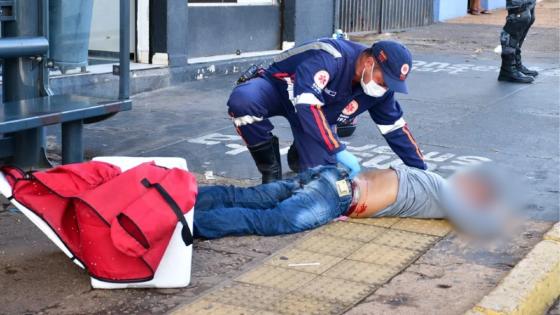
x=471 y=199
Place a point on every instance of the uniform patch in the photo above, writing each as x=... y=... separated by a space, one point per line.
x=322 y=79
x=404 y=71
x=350 y=108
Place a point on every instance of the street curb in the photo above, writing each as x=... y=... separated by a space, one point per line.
x=532 y=285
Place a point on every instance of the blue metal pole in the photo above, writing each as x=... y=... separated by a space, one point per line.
x=21 y=77
x=24 y=46
x=124 y=60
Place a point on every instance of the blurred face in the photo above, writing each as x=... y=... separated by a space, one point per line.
x=472 y=190
x=476 y=204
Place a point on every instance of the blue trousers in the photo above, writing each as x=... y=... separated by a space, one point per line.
x=265 y=98
x=287 y=206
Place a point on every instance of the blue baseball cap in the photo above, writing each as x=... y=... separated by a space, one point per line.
x=395 y=61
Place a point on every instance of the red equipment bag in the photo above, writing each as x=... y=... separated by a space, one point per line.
x=118 y=225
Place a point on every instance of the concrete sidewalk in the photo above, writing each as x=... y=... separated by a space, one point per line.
x=547 y=14
x=457 y=111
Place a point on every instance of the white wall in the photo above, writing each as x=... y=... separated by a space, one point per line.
x=105 y=26
x=143 y=26
x=449 y=9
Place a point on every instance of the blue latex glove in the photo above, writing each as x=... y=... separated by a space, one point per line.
x=350 y=161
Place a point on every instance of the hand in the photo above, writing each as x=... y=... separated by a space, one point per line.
x=350 y=161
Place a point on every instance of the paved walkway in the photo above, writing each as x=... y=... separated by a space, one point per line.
x=547 y=14
x=327 y=272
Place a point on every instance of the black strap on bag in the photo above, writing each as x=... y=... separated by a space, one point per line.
x=186 y=233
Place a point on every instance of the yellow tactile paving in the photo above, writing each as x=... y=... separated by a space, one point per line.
x=298 y=304
x=326 y=272
x=275 y=277
x=531 y=287
x=406 y=240
x=247 y=296
x=424 y=226
x=384 y=255
x=554 y=233
x=329 y=245
x=358 y=271
x=382 y=222
x=353 y=231
x=206 y=307
x=303 y=260
x=339 y=290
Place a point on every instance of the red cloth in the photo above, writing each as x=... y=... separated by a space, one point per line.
x=116 y=226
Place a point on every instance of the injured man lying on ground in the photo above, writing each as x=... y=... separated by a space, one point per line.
x=474 y=200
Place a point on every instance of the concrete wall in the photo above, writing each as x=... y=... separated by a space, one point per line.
x=220 y=30
x=313 y=19
x=448 y=9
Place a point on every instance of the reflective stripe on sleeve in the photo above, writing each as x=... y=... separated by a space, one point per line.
x=385 y=129
x=308 y=98
x=246 y=120
x=312 y=46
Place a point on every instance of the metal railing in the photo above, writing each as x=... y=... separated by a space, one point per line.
x=355 y=16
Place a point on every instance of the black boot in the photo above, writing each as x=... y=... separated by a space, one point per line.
x=293 y=159
x=521 y=68
x=509 y=72
x=267 y=158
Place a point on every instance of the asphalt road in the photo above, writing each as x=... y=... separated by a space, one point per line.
x=457 y=110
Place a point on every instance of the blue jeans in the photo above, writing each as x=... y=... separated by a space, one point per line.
x=288 y=206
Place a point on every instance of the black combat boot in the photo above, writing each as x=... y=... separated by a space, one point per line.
x=267 y=158
x=509 y=72
x=521 y=68
x=293 y=159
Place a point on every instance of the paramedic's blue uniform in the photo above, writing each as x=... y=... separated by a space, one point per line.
x=311 y=85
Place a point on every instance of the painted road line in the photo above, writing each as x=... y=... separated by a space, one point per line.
x=326 y=272
x=532 y=285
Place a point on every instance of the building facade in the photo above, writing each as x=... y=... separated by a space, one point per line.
x=178 y=32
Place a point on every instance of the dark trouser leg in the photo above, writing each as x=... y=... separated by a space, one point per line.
x=519 y=63
x=250 y=105
x=516 y=24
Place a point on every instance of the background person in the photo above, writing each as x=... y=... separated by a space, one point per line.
x=521 y=15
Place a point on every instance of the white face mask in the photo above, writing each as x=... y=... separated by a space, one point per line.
x=371 y=88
